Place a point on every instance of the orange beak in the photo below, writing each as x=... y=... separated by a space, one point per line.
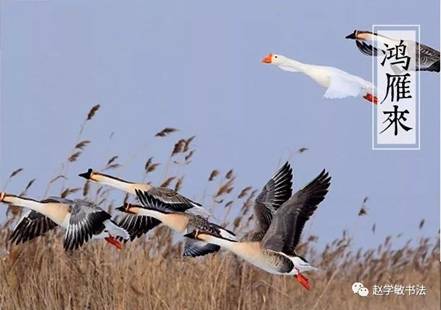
x=114 y=242
x=268 y=59
x=2 y=196
x=303 y=281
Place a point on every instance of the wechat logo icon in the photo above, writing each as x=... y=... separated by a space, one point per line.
x=358 y=288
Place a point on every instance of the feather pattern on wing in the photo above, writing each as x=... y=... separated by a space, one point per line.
x=275 y=192
x=31 y=225
x=137 y=225
x=196 y=248
x=172 y=199
x=285 y=230
x=85 y=221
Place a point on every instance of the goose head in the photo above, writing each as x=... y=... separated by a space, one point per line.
x=199 y=235
x=206 y=236
x=274 y=59
x=87 y=175
x=129 y=208
x=96 y=176
x=352 y=36
x=359 y=35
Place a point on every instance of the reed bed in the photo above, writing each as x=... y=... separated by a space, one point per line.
x=150 y=273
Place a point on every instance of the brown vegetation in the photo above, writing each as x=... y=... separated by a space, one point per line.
x=151 y=273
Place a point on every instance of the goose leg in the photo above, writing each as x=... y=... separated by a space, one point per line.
x=303 y=280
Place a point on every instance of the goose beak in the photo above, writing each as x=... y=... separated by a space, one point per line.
x=193 y=235
x=126 y=208
x=352 y=36
x=268 y=59
x=87 y=175
x=2 y=196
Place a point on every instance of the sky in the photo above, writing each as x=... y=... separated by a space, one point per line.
x=195 y=66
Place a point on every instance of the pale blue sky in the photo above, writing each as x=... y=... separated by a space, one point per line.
x=195 y=65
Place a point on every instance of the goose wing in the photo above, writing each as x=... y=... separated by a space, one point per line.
x=366 y=48
x=31 y=225
x=196 y=248
x=343 y=84
x=172 y=199
x=137 y=225
x=86 y=220
x=429 y=58
x=285 y=230
x=275 y=192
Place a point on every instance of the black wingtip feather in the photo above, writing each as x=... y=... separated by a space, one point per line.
x=31 y=227
x=194 y=250
x=137 y=225
x=434 y=67
x=148 y=201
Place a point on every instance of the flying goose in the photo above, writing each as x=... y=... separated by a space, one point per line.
x=139 y=225
x=279 y=228
x=339 y=83
x=427 y=58
x=165 y=195
x=177 y=220
x=81 y=219
x=277 y=190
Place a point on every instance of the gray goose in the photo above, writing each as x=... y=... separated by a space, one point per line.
x=275 y=192
x=139 y=225
x=427 y=58
x=175 y=219
x=273 y=246
x=82 y=221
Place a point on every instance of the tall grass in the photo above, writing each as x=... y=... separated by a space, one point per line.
x=150 y=273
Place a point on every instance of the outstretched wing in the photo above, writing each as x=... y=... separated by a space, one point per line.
x=85 y=221
x=172 y=199
x=196 y=248
x=137 y=225
x=366 y=48
x=429 y=58
x=285 y=230
x=275 y=192
x=344 y=85
x=31 y=225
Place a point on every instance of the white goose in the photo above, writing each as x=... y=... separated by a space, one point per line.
x=273 y=246
x=427 y=58
x=339 y=83
x=81 y=219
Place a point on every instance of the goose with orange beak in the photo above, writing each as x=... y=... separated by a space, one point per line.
x=280 y=222
x=179 y=221
x=137 y=224
x=338 y=83
x=82 y=221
